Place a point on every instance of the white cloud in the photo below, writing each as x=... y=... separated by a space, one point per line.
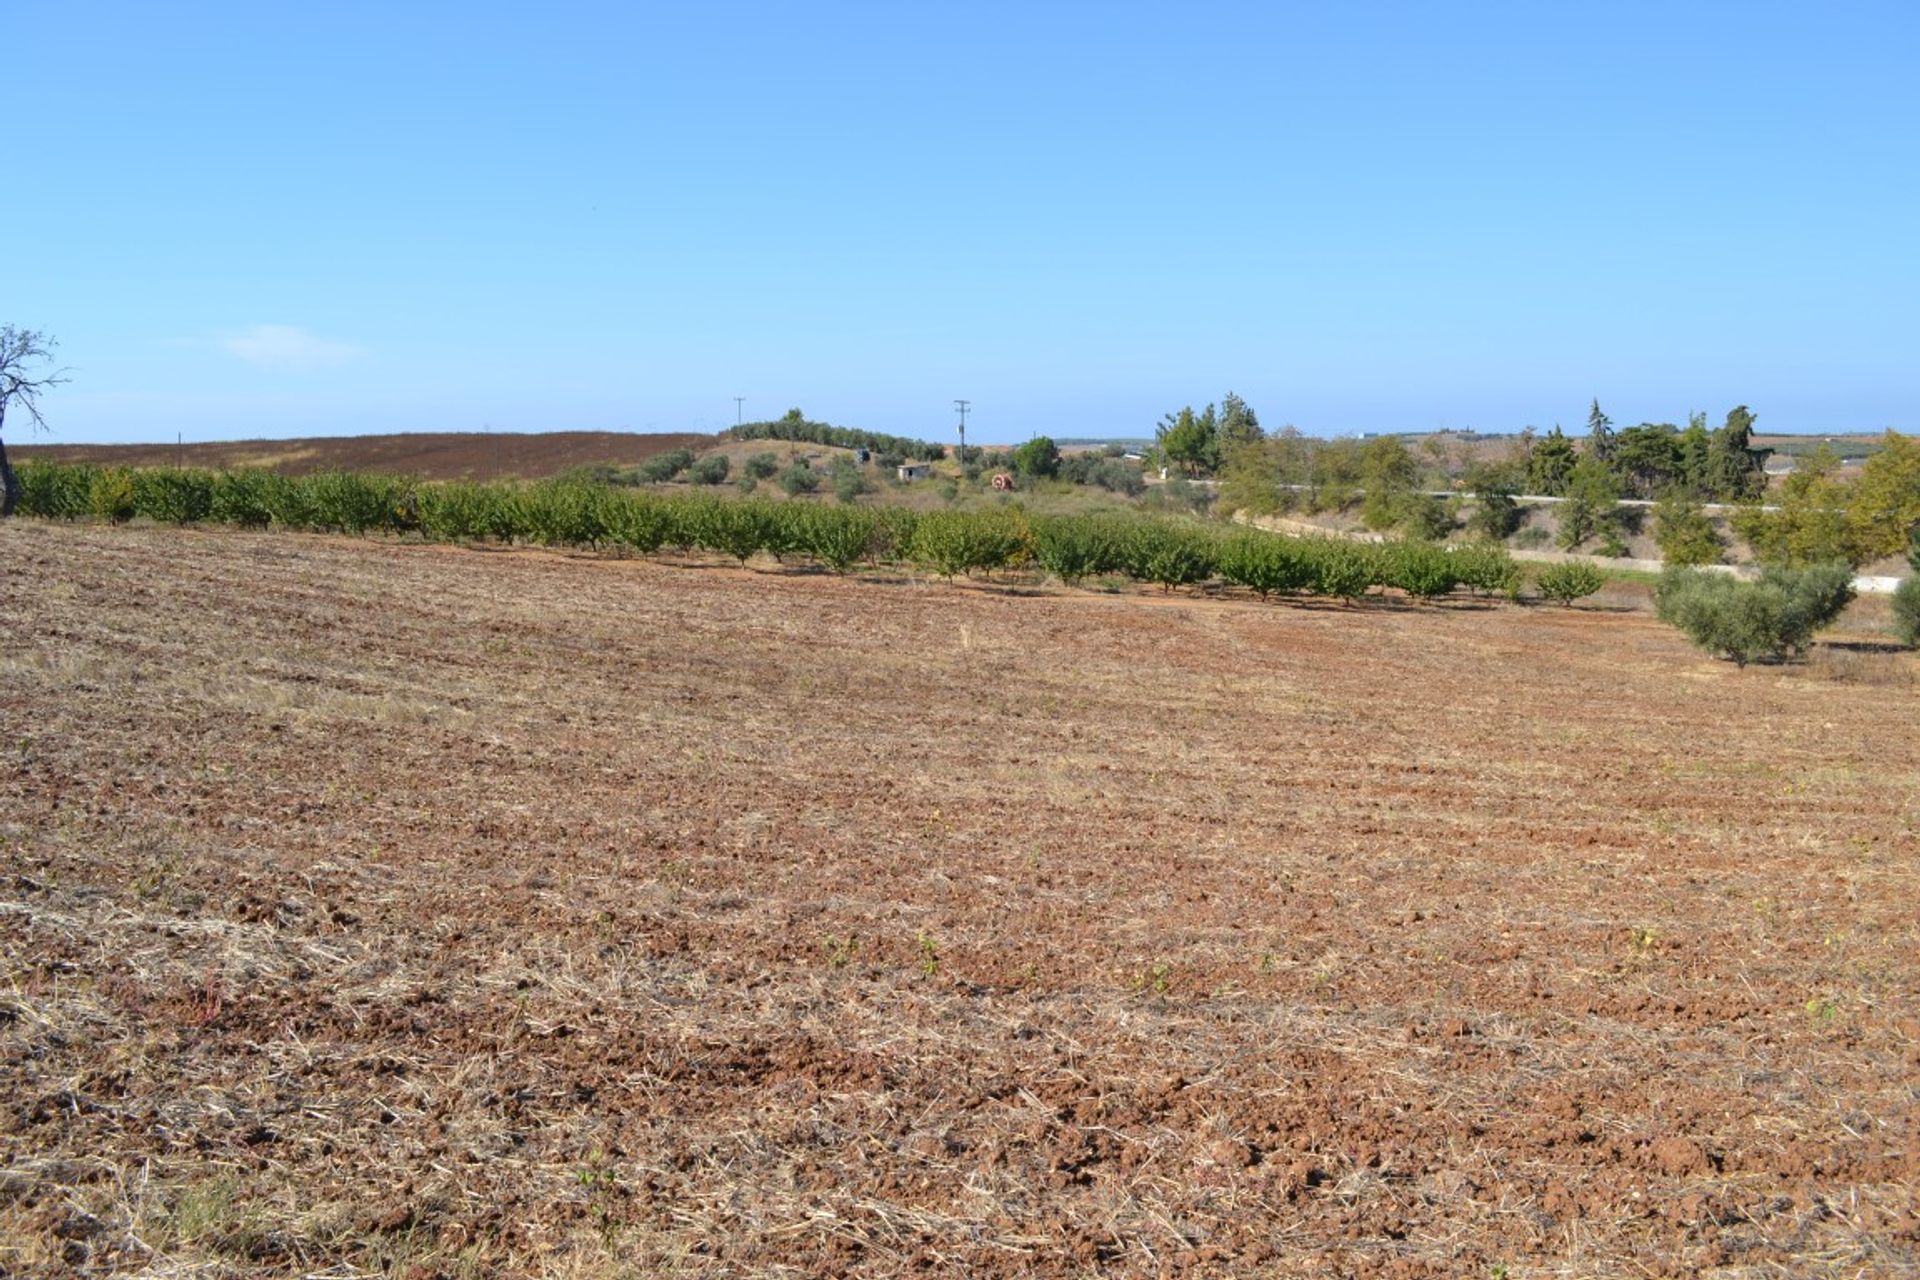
x=288 y=348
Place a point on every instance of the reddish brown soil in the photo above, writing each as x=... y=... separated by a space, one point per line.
x=380 y=909
x=430 y=455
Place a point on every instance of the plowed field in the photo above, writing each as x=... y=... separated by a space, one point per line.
x=429 y=455
x=400 y=910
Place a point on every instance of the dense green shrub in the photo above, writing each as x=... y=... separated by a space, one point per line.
x=761 y=466
x=56 y=491
x=1039 y=457
x=739 y=529
x=838 y=537
x=1265 y=563
x=600 y=473
x=1496 y=514
x=1003 y=540
x=743 y=529
x=1342 y=569
x=1818 y=593
x=466 y=511
x=289 y=501
x=693 y=524
x=1487 y=570
x=1683 y=532
x=240 y=498
x=1421 y=569
x=560 y=513
x=1565 y=583
x=349 y=501
x=955 y=542
x=1906 y=597
x=941 y=542
x=1075 y=547
x=1906 y=610
x=710 y=470
x=1170 y=554
x=638 y=521
x=1417 y=515
x=1592 y=496
x=893 y=534
x=173 y=495
x=798 y=479
x=664 y=466
x=785 y=531
x=848 y=486
x=463 y=511
x=1775 y=617
x=110 y=495
x=1380 y=510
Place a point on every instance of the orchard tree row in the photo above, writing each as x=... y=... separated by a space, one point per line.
x=1073 y=548
x=1773 y=617
x=795 y=426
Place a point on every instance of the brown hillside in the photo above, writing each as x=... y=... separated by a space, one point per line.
x=432 y=455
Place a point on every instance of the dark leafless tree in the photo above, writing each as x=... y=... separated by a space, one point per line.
x=24 y=354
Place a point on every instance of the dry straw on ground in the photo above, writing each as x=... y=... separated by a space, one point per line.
x=392 y=910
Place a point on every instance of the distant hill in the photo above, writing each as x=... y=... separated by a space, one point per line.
x=431 y=455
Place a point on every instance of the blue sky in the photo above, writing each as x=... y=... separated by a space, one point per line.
x=247 y=219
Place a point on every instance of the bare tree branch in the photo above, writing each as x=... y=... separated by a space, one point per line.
x=20 y=351
x=21 y=383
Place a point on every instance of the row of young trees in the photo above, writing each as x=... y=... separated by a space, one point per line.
x=795 y=426
x=1170 y=553
x=1775 y=616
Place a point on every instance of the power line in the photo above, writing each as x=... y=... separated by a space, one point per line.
x=961 y=405
x=738 y=402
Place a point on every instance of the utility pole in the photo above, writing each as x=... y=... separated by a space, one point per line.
x=961 y=405
x=738 y=408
